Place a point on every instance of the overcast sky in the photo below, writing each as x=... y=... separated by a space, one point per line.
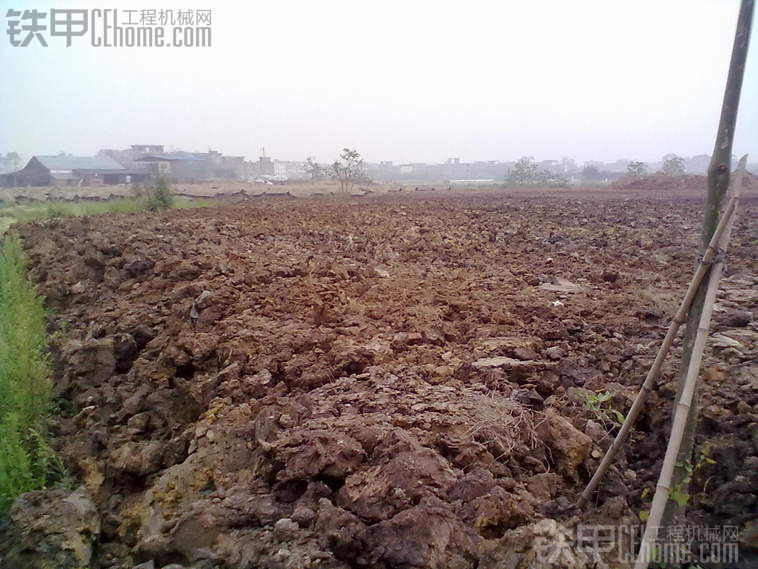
x=399 y=80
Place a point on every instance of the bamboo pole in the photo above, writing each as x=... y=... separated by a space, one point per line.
x=679 y=318
x=683 y=405
x=718 y=182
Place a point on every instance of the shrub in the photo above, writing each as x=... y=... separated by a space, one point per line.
x=159 y=197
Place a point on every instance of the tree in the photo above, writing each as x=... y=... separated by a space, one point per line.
x=636 y=169
x=525 y=172
x=348 y=169
x=313 y=168
x=673 y=165
x=553 y=179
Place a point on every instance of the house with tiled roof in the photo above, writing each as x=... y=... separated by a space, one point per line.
x=64 y=170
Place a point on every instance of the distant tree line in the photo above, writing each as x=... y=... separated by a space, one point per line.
x=528 y=173
x=673 y=165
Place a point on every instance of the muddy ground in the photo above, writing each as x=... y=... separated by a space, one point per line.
x=385 y=382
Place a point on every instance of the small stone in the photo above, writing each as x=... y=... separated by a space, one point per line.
x=610 y=276
x=414 y=338
x=282 y=554
x=50 y=528
x=527 y=397
x=594 y=430
x=203 y=300
x=303 y=516
x=138 y=423
x=569 y=446
x=736 y=319
x=561 y=285
x=719 y=341
x=135 y=266
x=402 y=339
x=500 y=361
x=743 y=408
x=284 y=528
x=544 y=485
x=554 y=353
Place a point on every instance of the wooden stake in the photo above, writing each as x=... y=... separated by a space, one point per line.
x=718 y=182
x=655 y=369
x=682 y=410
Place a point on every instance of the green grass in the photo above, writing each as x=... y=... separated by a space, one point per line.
x=49 y=209
x=26 y=461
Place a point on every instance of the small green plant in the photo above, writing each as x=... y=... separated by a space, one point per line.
x=62 y=407
x=644 y=514
x=600 y=404
x=159 y=197
x=677 y=493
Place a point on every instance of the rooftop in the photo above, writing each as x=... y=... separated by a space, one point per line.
x=79 y=163
x=168 y=157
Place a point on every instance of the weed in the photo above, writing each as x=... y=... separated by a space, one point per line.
x=600 y=404
x=677 y=493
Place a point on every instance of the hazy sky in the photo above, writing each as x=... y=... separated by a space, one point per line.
x=400 y=80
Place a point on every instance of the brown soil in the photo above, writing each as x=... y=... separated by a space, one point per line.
x=390 y=382
x=662 y=182
x=694 y=182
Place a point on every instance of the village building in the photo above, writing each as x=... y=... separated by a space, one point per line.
x=65 y=170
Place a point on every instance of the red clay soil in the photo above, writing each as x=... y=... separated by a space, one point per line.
x=390 y=382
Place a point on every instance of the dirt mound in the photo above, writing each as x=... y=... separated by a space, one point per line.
x=383 y=384
x=661 y=182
